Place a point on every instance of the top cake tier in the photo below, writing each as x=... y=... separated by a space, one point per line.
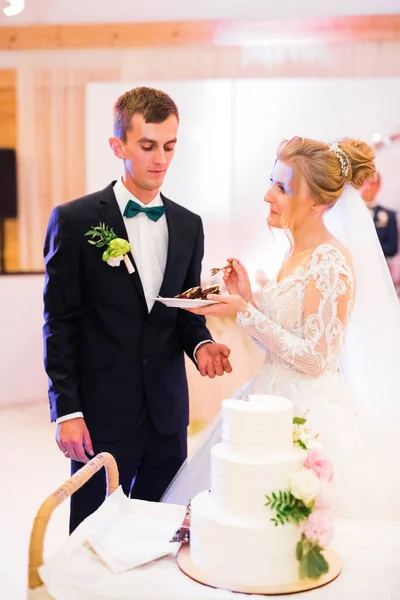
x=258 y=427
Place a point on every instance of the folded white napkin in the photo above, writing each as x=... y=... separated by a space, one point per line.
x=135 y=533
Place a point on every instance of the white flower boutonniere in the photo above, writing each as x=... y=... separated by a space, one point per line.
x=382 y=218
x=117 y=248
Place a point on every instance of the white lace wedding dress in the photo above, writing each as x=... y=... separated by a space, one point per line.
x=301 y=323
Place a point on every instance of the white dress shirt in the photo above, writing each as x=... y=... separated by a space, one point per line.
x=149 y=241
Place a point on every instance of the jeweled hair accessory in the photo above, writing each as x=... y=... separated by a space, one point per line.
x=343 y=158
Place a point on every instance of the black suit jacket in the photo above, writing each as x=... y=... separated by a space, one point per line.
x=387 y=230
x=105 y=355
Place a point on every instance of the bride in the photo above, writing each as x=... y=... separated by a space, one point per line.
x=329 y=324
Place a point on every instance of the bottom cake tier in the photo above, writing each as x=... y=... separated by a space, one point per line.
x=241 y=551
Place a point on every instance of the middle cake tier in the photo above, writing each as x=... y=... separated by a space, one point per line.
x=239 y=484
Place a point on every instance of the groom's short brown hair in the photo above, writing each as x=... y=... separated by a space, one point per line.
x=154 y=105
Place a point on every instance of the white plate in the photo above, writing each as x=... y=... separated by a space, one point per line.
x=184 y=302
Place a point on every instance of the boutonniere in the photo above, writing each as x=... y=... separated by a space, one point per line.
x=382 y=218
x=116 y=248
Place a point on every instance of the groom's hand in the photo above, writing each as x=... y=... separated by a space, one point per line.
x=212 y=359
x=73 y=439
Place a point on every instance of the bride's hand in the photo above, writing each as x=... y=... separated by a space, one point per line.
x=237 y=280
x=226 y=306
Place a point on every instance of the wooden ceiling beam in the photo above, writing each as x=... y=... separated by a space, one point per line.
x=198 y=33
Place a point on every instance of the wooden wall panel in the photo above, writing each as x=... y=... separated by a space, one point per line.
x=8 y=139
x=8 y=109
x=195 y=33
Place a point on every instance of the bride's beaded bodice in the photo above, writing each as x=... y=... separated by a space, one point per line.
x=302 y=319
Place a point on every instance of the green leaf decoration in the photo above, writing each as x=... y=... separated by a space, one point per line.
x=299 y=421
x=312 y=563
x=101 y=235
x=299 y=550
x=288 y=509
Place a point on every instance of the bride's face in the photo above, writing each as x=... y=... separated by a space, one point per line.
x=284 y=206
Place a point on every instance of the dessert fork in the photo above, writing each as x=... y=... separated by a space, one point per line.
x=215 y=271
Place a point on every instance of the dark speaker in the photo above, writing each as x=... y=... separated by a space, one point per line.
x=8 y=184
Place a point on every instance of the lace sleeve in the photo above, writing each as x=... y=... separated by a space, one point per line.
x=327 y=303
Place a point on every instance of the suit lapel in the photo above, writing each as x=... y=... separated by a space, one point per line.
x=111 y=216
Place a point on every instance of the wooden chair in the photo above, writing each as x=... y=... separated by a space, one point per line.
x=36 y=588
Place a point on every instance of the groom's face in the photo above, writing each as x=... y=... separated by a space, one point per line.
x=148 y=150
x=370 y=189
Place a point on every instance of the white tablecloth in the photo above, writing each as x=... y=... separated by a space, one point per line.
x=370 y=553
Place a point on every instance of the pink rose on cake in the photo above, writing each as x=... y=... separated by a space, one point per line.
x=320 y=464
x=318 y=527
x=305 y=486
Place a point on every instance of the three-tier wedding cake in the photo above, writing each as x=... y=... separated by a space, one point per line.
x=234 y=535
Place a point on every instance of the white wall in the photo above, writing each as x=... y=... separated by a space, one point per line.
x=21 y=355
x=117 y=11
x=227 y=145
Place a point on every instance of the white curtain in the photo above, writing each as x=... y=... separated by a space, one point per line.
x=51 y=140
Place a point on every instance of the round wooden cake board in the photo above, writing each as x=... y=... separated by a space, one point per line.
x=188 y=567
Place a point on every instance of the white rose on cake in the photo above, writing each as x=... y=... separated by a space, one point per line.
x=305 y=486
x=305 y=437
x=314 y=444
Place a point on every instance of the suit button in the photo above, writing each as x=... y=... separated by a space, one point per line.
x=145 y=361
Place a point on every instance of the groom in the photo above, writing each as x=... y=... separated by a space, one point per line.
x=114 y=357
x=385 y=220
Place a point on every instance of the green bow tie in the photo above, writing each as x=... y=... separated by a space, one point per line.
x=133 y=208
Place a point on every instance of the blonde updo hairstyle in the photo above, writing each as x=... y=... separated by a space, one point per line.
x=325 y=171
